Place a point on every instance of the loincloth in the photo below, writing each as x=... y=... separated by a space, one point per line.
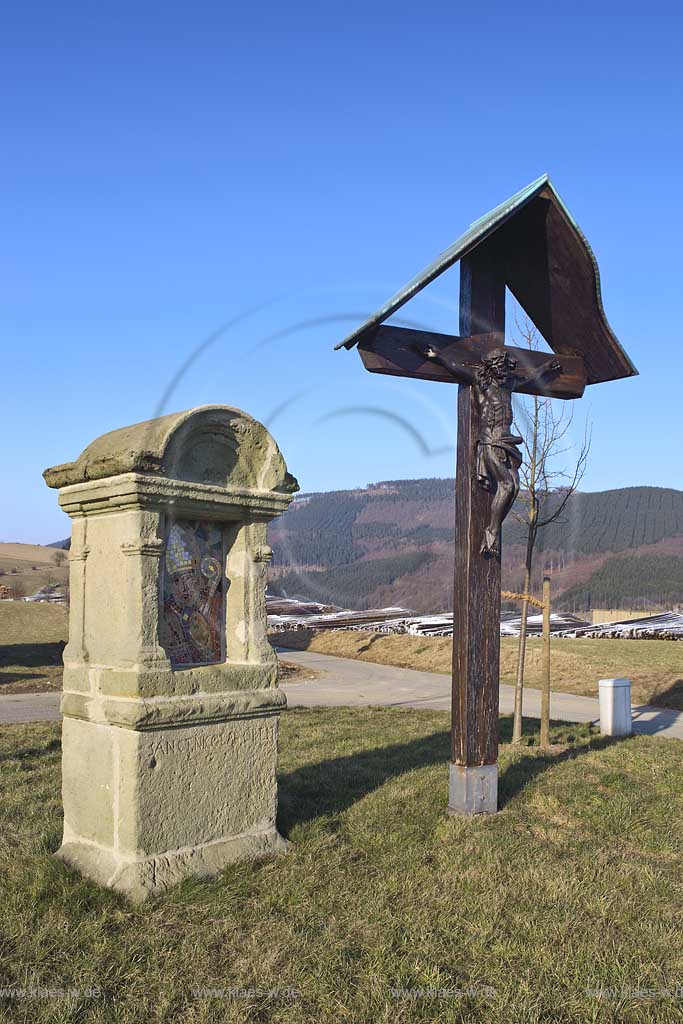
x=504 y=450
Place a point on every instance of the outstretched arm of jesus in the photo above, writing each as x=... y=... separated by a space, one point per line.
x=463 y=374
x=546 y=369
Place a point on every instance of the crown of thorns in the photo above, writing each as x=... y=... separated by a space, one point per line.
x=499 y=357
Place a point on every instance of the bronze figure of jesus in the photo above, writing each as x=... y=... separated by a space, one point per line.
x=494 y=378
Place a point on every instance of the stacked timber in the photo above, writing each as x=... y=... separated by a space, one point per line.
x=667 y=626
x=560 y=623
x=286 y=614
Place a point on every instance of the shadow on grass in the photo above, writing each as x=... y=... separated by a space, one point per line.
x=32 y=655
x=7 y=677
x=292 y=640
x=522 y=771
x=330 y=787
x=373 y=640
x=30 y=752
x=14 y=656
x=671 y=697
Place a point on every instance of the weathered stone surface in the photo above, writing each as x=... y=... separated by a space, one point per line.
x=169 y=769
x=142 y=877
x=210 y=444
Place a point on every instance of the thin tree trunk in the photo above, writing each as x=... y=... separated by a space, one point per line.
x=521 y=650
x=545 y=686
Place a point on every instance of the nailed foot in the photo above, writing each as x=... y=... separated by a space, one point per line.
x=490 y=546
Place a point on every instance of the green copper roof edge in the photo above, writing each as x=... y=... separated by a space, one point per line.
x=476 y=233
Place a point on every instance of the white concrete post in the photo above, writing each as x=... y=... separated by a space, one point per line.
x=615 y=707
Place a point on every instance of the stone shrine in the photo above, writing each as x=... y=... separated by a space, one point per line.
x=171 y=704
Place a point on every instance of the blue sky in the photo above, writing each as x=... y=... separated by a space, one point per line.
x=171 y=168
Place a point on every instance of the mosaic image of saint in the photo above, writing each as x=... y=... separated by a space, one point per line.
x=193 y=617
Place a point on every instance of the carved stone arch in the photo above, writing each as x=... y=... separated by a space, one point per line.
x=212 y=444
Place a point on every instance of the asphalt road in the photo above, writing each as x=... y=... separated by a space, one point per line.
x=342 y=681
x=346 y=682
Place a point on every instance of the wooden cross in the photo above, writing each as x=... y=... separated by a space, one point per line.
x=476 y=607
x=531 y=244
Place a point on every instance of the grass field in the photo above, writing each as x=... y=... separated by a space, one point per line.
x=655 y=667
x=34 y=565
x=564 y=907
x=32 y=638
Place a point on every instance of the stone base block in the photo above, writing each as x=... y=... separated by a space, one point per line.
x=473 y=790
x=144 y=809
x=142 y=877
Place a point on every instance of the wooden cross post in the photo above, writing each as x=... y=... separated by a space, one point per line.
x=473 y=783
x=486 y=485
x=531 y=245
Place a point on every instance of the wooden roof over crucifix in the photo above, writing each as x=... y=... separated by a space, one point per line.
x=550 y=269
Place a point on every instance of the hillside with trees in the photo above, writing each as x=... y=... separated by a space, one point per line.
x=631 y=581
x=391 y=544
x=618 y=520
x=326 y=543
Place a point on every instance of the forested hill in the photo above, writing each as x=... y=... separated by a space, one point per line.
x=619 y=520
x=629 y=582
x=351 y=547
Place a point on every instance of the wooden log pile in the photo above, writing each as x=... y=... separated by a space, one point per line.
x=667 y=626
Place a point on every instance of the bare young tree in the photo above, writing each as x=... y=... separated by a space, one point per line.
x=550 y=473
x=19 y=589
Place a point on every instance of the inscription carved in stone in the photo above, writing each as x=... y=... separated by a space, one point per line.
x=192 y=744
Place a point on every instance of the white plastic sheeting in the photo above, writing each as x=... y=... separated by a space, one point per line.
x=667 y=626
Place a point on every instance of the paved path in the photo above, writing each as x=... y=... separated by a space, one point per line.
x=360 y=682
x=29 y=707
x=343 y=681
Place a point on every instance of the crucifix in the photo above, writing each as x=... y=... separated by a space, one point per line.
x=493 y=378
x=531 y=245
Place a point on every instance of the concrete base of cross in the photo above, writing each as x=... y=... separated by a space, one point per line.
x=473 y=790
